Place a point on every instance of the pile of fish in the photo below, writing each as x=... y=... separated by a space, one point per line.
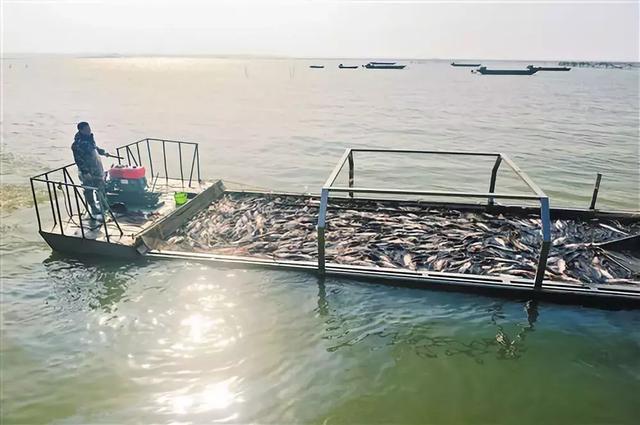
x=412 y=236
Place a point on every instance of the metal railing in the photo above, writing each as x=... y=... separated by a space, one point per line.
x=61 y=180
x=136 y=156
x=60 y=184
x=491 y=195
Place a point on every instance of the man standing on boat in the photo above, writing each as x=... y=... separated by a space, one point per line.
x=91 y=172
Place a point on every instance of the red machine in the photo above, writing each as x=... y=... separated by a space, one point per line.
x=128 y=185
x=126 y=172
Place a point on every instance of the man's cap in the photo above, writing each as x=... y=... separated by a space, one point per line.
x=82 y=125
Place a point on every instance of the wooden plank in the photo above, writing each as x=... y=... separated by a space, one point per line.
x=152 y=236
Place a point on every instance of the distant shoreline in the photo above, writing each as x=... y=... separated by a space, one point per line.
x=10 y=56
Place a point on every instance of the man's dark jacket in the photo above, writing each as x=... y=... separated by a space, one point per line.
x=85 y=153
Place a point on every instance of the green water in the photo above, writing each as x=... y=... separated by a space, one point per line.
x=179 y=342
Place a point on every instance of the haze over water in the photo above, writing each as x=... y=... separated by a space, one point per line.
x=100 y=341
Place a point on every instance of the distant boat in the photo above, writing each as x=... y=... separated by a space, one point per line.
x=341 y=66
x=383 y=65
x=317 y=66
x=550 y=68
x=466 y=64
x=484 y=71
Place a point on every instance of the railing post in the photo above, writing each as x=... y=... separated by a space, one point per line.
x=193 y=163
x=35 y=204
x=97 y=194
x=596 y=188
x=150 y=159
x=198 y=161
x=104 y=202
x=53 y=210
x=75 y=192
x=546 y=242
x=494 y=175
x=351 y=171
x=164 y=160
x=322 y=215
x=55 y=195
x=66 y=187
x=130 y=155
x=180 y=159
x=84 y=203
x=138 y=150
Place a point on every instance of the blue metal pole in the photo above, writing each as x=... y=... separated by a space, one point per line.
x=322 y=215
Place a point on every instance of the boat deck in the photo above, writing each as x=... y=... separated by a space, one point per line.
x=133 y=222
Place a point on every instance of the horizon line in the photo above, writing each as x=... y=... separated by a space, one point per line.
x=96 y=55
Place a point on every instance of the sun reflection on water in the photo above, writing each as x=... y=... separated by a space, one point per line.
x=205 y=328
x=197 y=325
x=216 y=396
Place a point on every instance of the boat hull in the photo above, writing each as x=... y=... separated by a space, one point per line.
x=385 y=66
x=554 y=68
x=508 y=71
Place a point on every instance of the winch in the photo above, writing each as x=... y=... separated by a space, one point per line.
x=128 y=185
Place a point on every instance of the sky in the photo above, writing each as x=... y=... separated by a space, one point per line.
x=474 y=29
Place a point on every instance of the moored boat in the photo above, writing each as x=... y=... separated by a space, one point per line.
x=341 y=66
x=550 y=68
x=384 y=65
x=466 y=64
x=485 y=71
x=317 y=66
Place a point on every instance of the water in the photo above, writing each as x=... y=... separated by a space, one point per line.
x=100 y=341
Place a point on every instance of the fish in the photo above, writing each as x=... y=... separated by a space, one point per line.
x=604 y=272
x=613 y=229
x=408 y=261
x=385 y=234
x=466 y=266
x=559 y=241
x=562 y=266
x=483 y=226
x=439 y=265
x=500 y=242
x=259 y=220
x=176 y=240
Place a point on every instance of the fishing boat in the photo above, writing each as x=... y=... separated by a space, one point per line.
x=499 y=245
x=485 y=71
x=384 y=65
x=474 y=65
x=341 y=66
x=316 y=66
x=550 y=68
